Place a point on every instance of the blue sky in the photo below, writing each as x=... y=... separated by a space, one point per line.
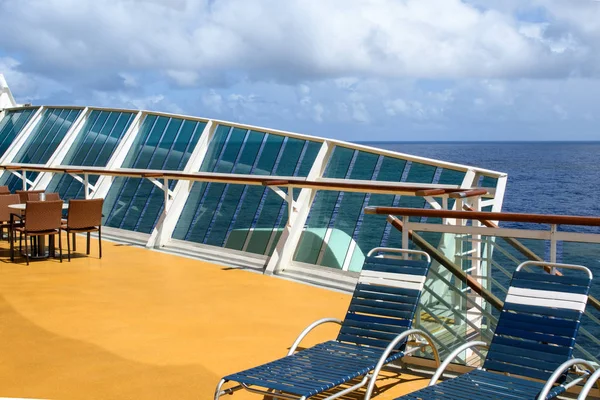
x=348 y=69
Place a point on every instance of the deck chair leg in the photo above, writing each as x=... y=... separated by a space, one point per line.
x=51 y=246
x=26 y=250
x=60 y=245
x=100 y=242
x=68 y=247
x=12 y=246
x=231 y=390
x=74 y=242
x=88 y=244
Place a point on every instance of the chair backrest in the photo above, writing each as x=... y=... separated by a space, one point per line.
x=43 y=215
x=539 y=322
x=5 y=201
x=23 y=194
x=4 y=190
x=384 y=302
x=35 y=196
x=85 y=213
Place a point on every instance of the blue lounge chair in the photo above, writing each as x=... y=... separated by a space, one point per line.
x=374 y=333
x=534 y=339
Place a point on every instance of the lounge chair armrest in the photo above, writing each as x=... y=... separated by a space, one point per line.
x=309 y=328
x=451 y=357
x=404 y=335
x=559 y=371
x=592 y=379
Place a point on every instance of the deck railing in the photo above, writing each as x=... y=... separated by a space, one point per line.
x=484 y=258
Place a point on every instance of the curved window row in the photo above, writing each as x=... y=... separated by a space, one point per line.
x=11 y=125
x=43 y=141
x=243 y=217
x=337 y=234
x=93 y=147
x=162 y=143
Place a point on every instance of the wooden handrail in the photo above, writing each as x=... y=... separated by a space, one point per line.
x=430 y=192
x=290 y=181
x=370 y=187
x=491 y=216
x=468 y=193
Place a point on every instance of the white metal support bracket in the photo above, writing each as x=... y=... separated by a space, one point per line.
x=164 y=186
x=553 y=230
x=23 y=177
x=89 y=189
x=434 y=203
x=289 y=199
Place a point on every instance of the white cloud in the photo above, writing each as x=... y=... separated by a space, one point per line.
x=213 y=101
x=292 y=40
x=318 y=111
x=320 y=67
x=183 y=78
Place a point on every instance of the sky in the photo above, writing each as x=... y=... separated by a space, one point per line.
x=358 y=70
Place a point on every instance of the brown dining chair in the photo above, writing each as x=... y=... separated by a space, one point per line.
x=23 y=194
x=35 y=196
x=84 y=216
x=5 y=201
x=43 y=218
x=4 y=190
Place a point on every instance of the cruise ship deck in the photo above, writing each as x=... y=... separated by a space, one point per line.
x=140 y=323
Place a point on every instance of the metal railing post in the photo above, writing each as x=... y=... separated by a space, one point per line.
x=86 y=185
x=553 y=231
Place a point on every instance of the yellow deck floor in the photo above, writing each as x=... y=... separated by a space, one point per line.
x=142 y=324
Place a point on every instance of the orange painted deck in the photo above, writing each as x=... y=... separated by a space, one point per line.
x=141 y=324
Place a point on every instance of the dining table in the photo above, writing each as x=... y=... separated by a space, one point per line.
x=39 y=250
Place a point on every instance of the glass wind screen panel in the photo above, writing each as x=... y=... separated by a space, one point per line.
x=43 y=141
x=346 y=213
x=251 y=196
x=488 y=181
x=338 y=234
x=451 y=177
x=11 y=125
x=162 y=143
x=93 y=147
x=271 y=207
x=417 y=173
x=236 y=216
x=304 y=167
x=322 y=209
x=446 y=177
x=370 y=228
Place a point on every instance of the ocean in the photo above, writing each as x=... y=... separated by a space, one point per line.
x=543 y=177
